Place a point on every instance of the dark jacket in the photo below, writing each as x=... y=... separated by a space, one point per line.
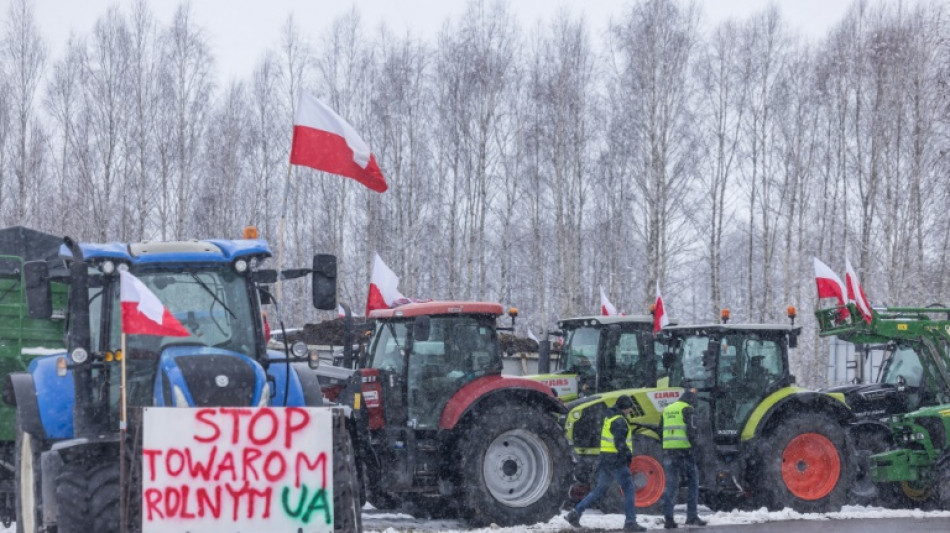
x=618 y=428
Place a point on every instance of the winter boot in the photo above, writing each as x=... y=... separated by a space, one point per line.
x=696 y=522
x=573 y=518
x=669 y=523
x=633 y=526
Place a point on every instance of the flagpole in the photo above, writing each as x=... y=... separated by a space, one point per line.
x=280 y=240
x=122 y=431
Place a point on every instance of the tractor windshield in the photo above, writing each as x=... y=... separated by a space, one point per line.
x=903 y=363
x=580 y=349
x=213 y=305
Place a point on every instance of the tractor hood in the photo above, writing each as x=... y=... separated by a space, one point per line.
x=871 y=400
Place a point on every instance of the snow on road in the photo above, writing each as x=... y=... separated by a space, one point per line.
x=400 y=523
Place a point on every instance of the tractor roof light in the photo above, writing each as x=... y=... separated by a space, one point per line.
x=792 y=312
x=123 y=267
x=653 y=309
x=725 y=314
x=108 y=267
x=512 y=312
x=240 y=266
x=250 y=232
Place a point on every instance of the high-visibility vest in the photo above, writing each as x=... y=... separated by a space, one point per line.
x=607 y=438
x=674 y=427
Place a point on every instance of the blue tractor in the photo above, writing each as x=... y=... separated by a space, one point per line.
x=66 y=459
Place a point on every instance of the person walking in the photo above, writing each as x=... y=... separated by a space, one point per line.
x=616 y=451
x=679 y=459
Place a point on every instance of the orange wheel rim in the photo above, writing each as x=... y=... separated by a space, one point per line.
x=811 y=466
x=649 y=478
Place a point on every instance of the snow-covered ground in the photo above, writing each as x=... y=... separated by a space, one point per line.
x=399 y=523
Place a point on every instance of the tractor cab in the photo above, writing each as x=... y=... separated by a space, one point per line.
x=603 y=353
x=425 y=353
x=733 y=368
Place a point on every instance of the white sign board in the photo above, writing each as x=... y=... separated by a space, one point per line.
x=237 y=469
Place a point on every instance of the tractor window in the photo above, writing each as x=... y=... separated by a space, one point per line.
x=903 y=362
x=390 y=338
x=625 y=366
x=580 y=350
x=689 y=365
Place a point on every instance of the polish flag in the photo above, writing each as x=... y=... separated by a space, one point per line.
x=383 y=283
x=340 y=312
x=324 y=141
x=856 y=292
x=606 y=308
x=829 y=284
x=143 y=313
x=660 y=320
x=532 y=337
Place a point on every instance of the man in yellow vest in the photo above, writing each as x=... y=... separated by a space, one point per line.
x=679 y=460
x=616 y=451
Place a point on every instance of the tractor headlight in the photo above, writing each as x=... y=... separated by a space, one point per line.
x=178 y=397
x=920 y=436
x=265 y=396
x=79 y=356
x=240 y=266
x=108 y=267
x=299 y=350
x=576 y=415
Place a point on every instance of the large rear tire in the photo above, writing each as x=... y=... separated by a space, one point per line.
x=804 y=465
x=941 y=482
x=27 y=481
x=648 y=476
x=104 y=495
x=515 y=465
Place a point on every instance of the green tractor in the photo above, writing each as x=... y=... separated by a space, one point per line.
x=913 y=375
x=765 y=441
x=601 y=353
x=922 y=464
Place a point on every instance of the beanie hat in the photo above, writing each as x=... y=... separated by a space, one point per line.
x=624 y=402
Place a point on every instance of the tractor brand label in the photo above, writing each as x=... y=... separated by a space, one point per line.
x=371 y=397
x=561 y=386
x=662 y=398
x=236 y=469
x=902 y=327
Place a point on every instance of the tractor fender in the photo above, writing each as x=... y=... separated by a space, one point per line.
x=309 y=385
x=497 y=389
x=790 y=400
x=18 y=391
x=53 y=395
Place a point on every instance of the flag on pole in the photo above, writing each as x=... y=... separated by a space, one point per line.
x=829 y=284
x=340 y=312
x=324 y=141
x=532 y=337
x=856 y=292
x=660 y=320
x=606 y=308
x=143 y=313
x=383 y=287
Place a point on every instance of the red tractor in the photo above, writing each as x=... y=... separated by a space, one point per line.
x=442 y=433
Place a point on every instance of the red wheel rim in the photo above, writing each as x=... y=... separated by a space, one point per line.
x=649 y=477
x=810 y=466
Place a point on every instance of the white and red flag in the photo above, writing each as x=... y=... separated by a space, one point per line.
x=324 y=141
x=143 y=313
x=606 y=308
x=340 y=312
x=856 y=292
x=383 y=287
x=660 y=320
x=829 y=284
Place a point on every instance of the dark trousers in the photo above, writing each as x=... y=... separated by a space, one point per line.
x=678 y=464
x=606 y=476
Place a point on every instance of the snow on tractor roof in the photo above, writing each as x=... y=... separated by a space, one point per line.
x=440 y=308
x=172 y=251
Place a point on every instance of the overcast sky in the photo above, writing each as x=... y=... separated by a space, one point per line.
x=240 y=30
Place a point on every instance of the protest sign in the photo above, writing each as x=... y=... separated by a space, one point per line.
x=237 y=469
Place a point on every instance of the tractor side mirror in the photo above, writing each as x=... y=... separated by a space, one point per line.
x=39 y=302
x=420 y=328
x=324 y=282
x=793 y=340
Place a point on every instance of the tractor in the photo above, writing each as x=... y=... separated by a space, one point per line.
x=68 y=442
x=442 y=433
x=765 y=442
x=913 y=375
x=601 y=353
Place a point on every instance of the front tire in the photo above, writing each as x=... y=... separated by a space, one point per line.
x=941 y=482
x=515 y=465
x=804 y=465
x=347 y=511
x=71 y=487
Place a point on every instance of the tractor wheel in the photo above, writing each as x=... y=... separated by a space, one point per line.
x=347 y=511
x=941 y=480
x=864 y=491
x=104 y=494
x=648 y=476
x=27 y=477
x=72 y=498
x=804 y=465
x=515 y=465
